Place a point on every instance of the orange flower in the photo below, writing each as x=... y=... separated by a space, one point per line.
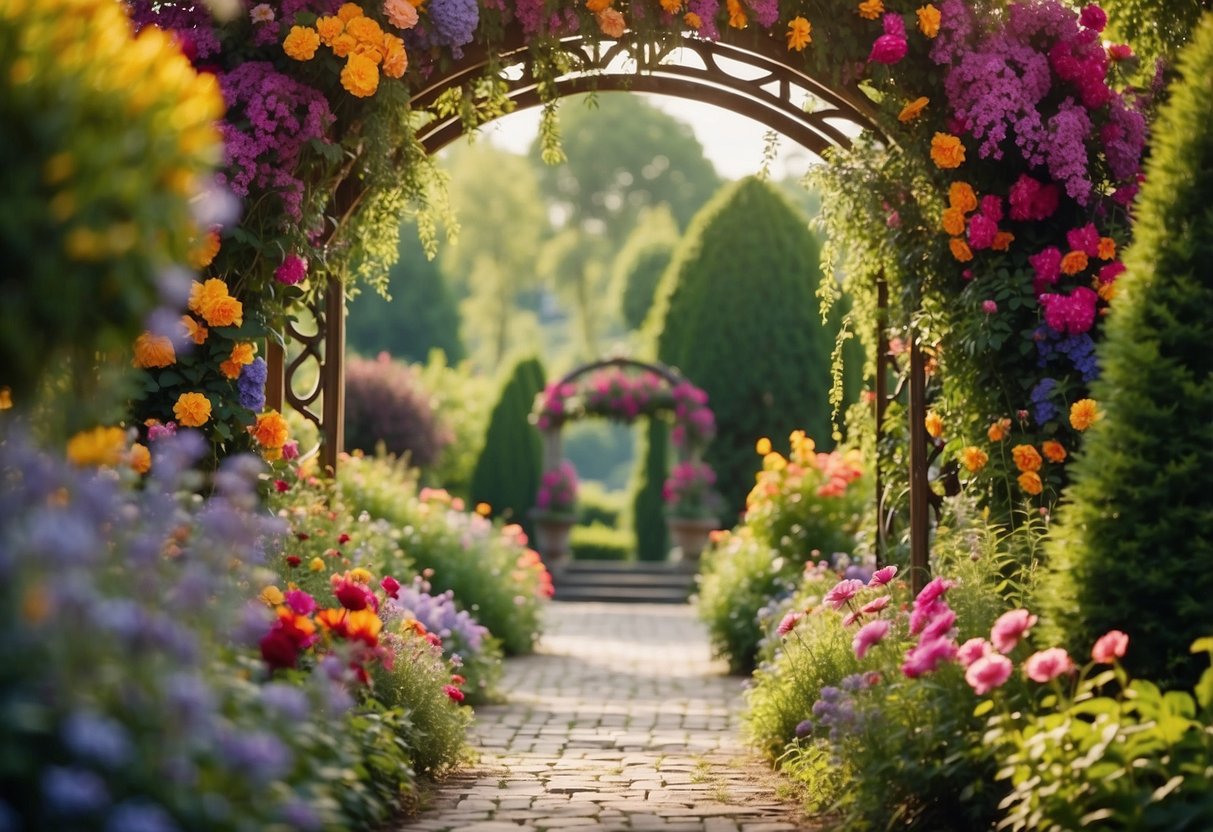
x=395 y=59
x=205 y=250
x=934 y=424
x=195 y=331
x=363 y=625
x=365 y=31
x=301 y=43
x=1030 y=482
x=1107 y=248
x=947 y=151
x=360 y=77
x=960 y=249
x=800 y=33
x=1054 y=451
x=140 y=459
x=871 y=9
x=999 y=430
x=671 y=6
x=153 y=351
x=1074 y=262
x=913 y=109
x=349 y=11
x=332 y=618
x=212 y=301
x=98 y=446
x=1107 y=291
x=693 y=20
x=1002 y=241
x=328 y=28
x=1083 y=414
x=1026 y=458
x=611 y=22
x=597 y=6
x=6 y=398
x=344 y=44
x=737 y=15
x=270 y=430
x=928 y=20
x=962 y=196
x=974 y=458
x=953 y=222
x=192 y=410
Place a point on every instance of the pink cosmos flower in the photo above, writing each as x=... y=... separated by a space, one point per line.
x=882 y=576
x=1010 y=628
x=1048 y=664
x=972 y=650
x=869 y=634
x=989 y=307
x=788 y=624
x=928 y=656
x=842 y=592
x=850 y=618
x=939 y=626
x=875 y=605
x=934 y=590
x=924 y=614
x=1110 y=647
x=988 y=672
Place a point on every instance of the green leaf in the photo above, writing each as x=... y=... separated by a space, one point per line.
x=169 y=378
x=1204 y=689
x=984 y=707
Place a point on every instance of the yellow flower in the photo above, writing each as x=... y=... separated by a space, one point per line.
x=195 y=331
x=960 y=249
x=349 y=11
x=98 y=446
x=774 y=461
x=974 y=458
x=953 y=222
x=928 y=20
x=316 y=565
x=344 y=44
x=737 y=15
x=671 y=6
x=484 y=509
x=1074 y=262
x=947 y=151
x=999 y=430
x=871 y=9
x=271 y=430
x=395 y=59
x=301 y=43
x=328 y=28
x=361 y=576
x=271 y=596
x=1107 y=248
x=6 y=398
x=153 y=351
x=693 y=20
x=913 y=110
x=763 y=446
x=1026 y=458
x=140 y=459
x=934 y=424
x=192 y=409
x=204 y=250
x=360 y=76
x=611 y=22
x=800 y=33
x=597 y=6
x=1030 y=482
x=1002 y=241
x=212 y=301
x=961 y=195
x=365 y=30
x=1054 y=451
x=1083 y=414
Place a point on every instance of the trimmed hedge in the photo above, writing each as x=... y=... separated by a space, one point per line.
x=599 y=542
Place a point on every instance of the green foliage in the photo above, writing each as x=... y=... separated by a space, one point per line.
x=599 y=542
x=738 y=578
x=1155 y=28
x=416 y=314
x=1128 y=550
x=740 y=321
x=508 y=470
x=648 y=510
x=638 y=267
x=597 y=505
x=460 y=399
x=386 y=405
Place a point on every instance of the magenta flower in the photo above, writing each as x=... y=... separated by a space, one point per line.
x=1048 y=664
x=300 y=602
x=851 y=617
x=1110 y=272
x=869 y=634
x=928 y=656
x=1085 y=239
x=972 y=650
x=293 y=270
x=982 y=231
x=788 y=624
x=1120 y=52
x=989 y=307
x=1110 y=647
x=1071 y=314
x=933 y=591
x=1047 y=265
x=1094 y=18
x=842 y=592
x=988 y=672
x=883 y=576
x=390 y=586
x=1010 y=628
x=939 y=626
x=888 y=49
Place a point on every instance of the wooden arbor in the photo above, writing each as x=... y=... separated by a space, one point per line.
x=746 y=72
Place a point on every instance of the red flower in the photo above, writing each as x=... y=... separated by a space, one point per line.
x=293 y=560
x=433 y=639
x=455 y=693
x=281 y=486
x=278 y=649
x=303 y=536
x=342 y=539
x=456 y=679
x=351 y=594
x=391 y=586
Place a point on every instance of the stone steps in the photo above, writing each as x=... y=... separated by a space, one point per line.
x=616 y=582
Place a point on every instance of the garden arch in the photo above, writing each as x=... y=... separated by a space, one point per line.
x=747 y=72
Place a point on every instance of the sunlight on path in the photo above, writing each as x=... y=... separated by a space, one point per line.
x=621 y=721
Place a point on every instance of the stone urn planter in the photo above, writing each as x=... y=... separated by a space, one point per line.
x=552 y=536
x=690 y=534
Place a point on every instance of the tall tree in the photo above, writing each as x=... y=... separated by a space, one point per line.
x=419 y=314
x=638 y=267
x=503 y=222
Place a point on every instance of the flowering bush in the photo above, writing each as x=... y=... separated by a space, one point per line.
x=386 y=403
x=689 y=491
x=557 y=493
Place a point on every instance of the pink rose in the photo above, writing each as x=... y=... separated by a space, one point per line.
x=989 y=307
x=293 y=270
x=1010 y=628
x=1048 y=664
x=1110 y=647
x=1093 y=18
x=988 y=672
x=972 y=650
x=869 y=634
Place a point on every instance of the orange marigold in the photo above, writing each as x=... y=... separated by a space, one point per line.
x=871 y=9
x=224 y=311
x=1107 y=248
x=153 y=351
x=395 y=59
x=961 y=195
x=953 y=222
x=1002 y=241
x=1054 y=451
x=204 y=250
x=98 y=446
x=192 y=410
x=328 y=28
x=800 y=33
x=693 y=20
x=974 y=458
x=913 y=109
x=344 y=45
x=1030 y=482
x=597 y=6
x=611 y=22
x=928 y=20
x=1074 y=262
x=960 y=249
x=933 y=422
x=999 y=430
x=737 y=16
x=301 y=43
x=1083 y=414
x=194 y=331
x=365 y=30
x=671 y=6
x=270 y=430
x=360 y=77
x=349 y=11
x=140 y=459
x=947 y=151
x=1026 y=458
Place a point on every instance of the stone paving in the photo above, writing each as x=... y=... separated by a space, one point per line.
x=620 y=721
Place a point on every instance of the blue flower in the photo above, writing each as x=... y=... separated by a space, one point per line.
x=140 y=816
x=96 y=739
x=73 y=791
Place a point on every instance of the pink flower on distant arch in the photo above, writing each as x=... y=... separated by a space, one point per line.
x=1010 y=628
x=1048 y=664
x=988 y=672
x=1110 y=647
x=869 y=635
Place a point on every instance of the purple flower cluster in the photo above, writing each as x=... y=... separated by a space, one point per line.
x=191 y=22
x=454 y=23
x=251 y=385
x=271 y=117
x=707 y=11
x=439 y=615
x=1079 y=350
x=766 y=12
x=835 y=712
x=1044 y=409
x=955 y=29
x=1069 y=129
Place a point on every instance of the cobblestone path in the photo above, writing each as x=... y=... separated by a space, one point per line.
x=620 y=721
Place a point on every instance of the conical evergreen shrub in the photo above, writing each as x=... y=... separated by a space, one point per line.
x=507 y=472
x=1133 y=548
x=740 y=319
x=648 y=508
